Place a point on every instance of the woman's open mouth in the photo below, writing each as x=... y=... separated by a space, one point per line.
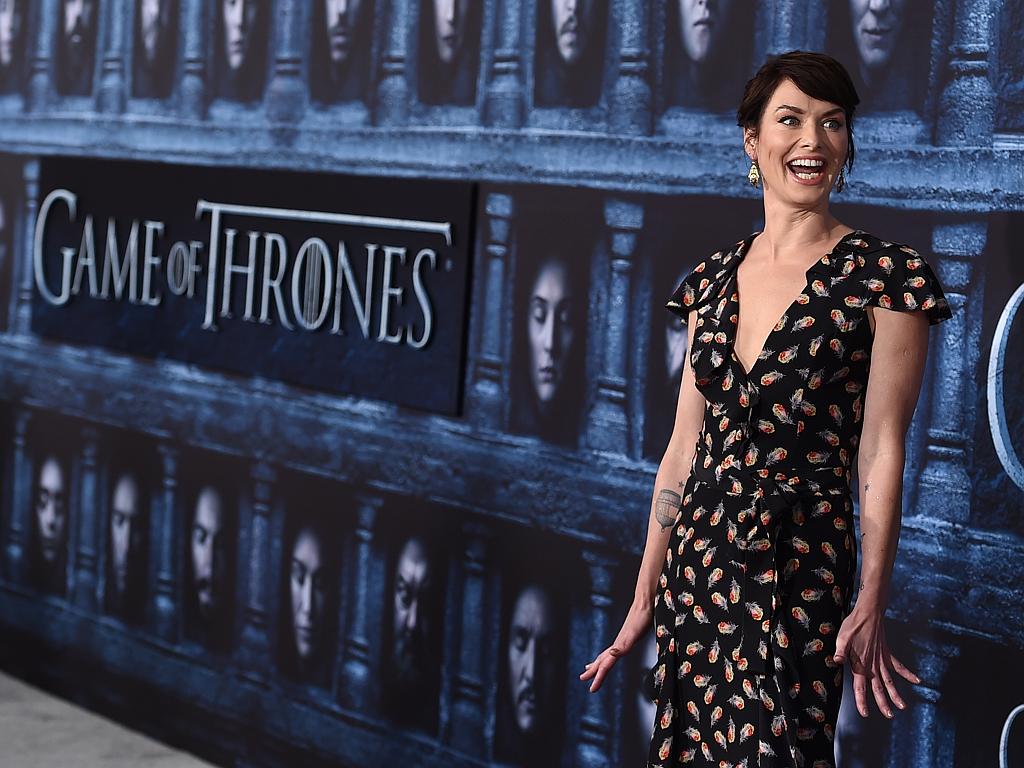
x=807 y=171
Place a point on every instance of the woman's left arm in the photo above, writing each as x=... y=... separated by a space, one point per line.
x=898 y=355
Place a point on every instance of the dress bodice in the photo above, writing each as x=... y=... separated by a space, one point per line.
x=799 y=410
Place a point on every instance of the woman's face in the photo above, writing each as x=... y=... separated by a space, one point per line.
x=551 y=332
x=793 y=126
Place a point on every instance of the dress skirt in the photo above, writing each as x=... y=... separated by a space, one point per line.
x=756 y=581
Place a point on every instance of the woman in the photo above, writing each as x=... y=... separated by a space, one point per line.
x=750 y=558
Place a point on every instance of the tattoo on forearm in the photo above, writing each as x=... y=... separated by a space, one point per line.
x=666 y=508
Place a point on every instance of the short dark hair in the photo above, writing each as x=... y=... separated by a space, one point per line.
x=818 y=75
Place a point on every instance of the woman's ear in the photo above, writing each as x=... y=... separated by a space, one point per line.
x=750 y=143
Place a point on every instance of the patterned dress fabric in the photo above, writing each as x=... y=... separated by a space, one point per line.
x=760 y=566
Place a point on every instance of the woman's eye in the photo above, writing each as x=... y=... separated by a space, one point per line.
x=835 y=124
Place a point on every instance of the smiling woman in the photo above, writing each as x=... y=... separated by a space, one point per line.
x=751 y=557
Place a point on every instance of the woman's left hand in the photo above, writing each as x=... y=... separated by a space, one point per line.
x=861 y=639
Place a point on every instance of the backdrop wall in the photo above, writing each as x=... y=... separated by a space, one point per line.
x=335 y=369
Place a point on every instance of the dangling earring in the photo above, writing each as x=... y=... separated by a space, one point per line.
x=841 y=180
x=754 y=174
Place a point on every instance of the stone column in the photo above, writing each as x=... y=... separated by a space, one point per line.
x=166 y=537
x=18 y=522
x=40 y=94
x=594 y=747
x=924 y=734
x=504 y=101
x=287 y=93
x=194 y=19
x=945 y=487
x=967 y=104
x=255 y=639
x=21 y=263
x=788 y=20
x=359 y=684
x=631 y=96
x=607 y=422
x=469 y=724
x=488 y=391
x=84 y=585
x=814 y=19
x=112 y=93
x=393 y=91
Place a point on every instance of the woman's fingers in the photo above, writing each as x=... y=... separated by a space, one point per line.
x=902 y=670
x=840 y=653
x=602 y=670
x=860 y=685
x=599 y=667
x=878 y=689
x=890 y=683
x=590 y=669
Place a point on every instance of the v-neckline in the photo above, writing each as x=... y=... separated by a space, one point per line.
x=749 y=241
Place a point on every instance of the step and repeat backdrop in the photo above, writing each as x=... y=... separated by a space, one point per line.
x=335 y=370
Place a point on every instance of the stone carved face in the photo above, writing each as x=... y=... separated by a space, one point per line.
x=307 y=588
x=207 y=548
x=125 y=531
x=154 y=21
x=414 y=583
x=530 y=658
x=450 y=27
x=877 y=26
x=341 y=19
x=78 y=32
x=240 y=18
x=551 y=332
x=702 y=24
x=572 y=21
x=10 y=30
x=51 y=513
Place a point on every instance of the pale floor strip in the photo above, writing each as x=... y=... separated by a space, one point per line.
x=38 y=730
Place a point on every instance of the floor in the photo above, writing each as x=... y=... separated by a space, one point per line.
x=38 y=730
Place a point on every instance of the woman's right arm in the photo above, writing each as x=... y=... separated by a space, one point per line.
x=668 y=486
x=673 y=473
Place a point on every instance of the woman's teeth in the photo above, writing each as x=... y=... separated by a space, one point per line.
x=807 y=169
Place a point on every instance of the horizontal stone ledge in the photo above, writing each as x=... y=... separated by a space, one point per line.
x=909 y=177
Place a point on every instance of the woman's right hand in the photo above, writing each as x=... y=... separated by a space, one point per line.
x=636 y=625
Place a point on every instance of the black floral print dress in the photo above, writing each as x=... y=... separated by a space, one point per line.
x=761 y=562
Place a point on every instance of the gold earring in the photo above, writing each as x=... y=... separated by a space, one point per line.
x=841 y=180
x=754 y=174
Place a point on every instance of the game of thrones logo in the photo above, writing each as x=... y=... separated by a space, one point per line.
x=347 y=284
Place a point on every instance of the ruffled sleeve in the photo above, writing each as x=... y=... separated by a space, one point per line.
x=691 y=290
x=900 y=279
